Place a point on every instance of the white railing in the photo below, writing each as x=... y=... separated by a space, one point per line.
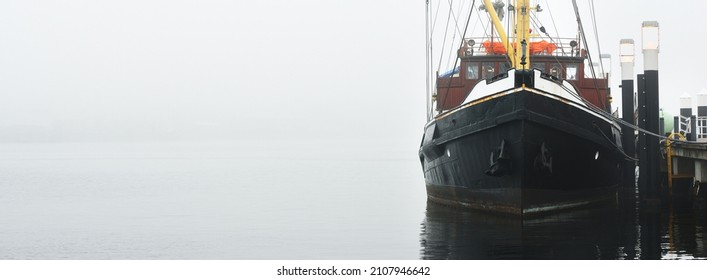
x=685 y=125
x=702 y=129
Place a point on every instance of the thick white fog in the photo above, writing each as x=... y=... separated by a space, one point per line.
x=103 y=70
x=97 y=70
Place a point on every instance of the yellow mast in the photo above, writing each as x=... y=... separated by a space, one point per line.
x=523 y=34
x=518 y=51
x=499 y=28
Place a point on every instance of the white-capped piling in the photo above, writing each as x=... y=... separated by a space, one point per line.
x=651 y=166
x=702 y=105
x=627 y=48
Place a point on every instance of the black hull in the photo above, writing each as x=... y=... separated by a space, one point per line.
x=521 y=153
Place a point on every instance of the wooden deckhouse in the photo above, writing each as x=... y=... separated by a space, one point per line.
x=481 y=63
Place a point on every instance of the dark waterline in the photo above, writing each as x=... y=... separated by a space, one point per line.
x=622 y=230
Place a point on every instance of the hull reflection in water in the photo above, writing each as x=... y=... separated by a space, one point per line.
x=616 y=231
x=449 y=233
x=685 y=221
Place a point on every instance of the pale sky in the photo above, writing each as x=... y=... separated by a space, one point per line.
x=248 y=67
x=272 y=68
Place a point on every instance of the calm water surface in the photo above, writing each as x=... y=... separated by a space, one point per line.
x=609 y=232
x=307 y=199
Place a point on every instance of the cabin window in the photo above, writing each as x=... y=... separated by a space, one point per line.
x=488 y=70
x=556 y=70
x=472 y=71
x=505 y=66
x=572 y=70
x=538 y=65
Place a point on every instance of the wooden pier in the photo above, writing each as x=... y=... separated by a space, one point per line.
x=685 y=164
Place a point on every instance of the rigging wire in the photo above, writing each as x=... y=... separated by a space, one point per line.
x=473 y=29
x=620 y=149
x=451 y=15
x=487 y=28
x=430 y=60
x=596 y=34
x=586 y=47
x=456 y=27
x=610 y=116
x=466 y=27
x=428 y=75
x=573 y=83
x=461 y=8
x=444 y=39
x=483 y=26
x=434 y=21
x=456 y=20
x=536 y=22
x=508 y=24
x=547 y=6
x=491 y=27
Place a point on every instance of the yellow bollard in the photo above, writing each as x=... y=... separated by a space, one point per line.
x=669 y=157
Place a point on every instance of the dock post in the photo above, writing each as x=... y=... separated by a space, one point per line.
x=650 y=193
x=628 y=139
x=693 y=129
x=651 y=48
x=641 y=148
x=669 y=161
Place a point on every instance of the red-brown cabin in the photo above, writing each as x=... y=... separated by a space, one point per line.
x=490 y=60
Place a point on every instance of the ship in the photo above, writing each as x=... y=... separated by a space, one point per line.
x=521 y=125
